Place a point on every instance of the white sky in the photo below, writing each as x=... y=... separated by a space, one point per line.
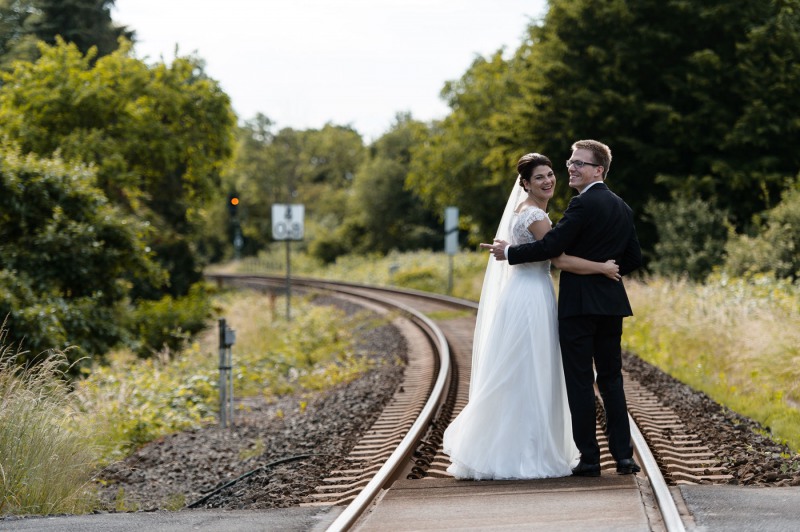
x=303 y=63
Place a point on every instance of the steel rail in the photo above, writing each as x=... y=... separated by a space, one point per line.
x=666 y=503
x=307 y=281
x=397 y=459
x=664 y=499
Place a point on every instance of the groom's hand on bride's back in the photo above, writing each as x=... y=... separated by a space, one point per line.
x=498 y=249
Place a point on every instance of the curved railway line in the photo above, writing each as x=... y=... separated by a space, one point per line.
x=405 y=442
x=392 y=475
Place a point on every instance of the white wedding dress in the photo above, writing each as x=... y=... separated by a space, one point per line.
x=516 y=424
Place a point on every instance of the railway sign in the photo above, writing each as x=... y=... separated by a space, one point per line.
x=451 y=230
x=287 y=221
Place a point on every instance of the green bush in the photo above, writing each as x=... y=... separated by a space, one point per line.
x=691 y=237
x=428 y=278
x=170 y=322
x=66 y=257
x=776 y=249
x=129 y=402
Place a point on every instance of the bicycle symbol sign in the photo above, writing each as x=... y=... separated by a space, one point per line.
x=287 y=221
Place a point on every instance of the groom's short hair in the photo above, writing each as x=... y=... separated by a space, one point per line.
x=601 y=153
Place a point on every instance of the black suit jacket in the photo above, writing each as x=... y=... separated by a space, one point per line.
x=597 y=226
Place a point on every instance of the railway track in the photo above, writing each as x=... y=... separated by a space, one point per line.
x=405 y=442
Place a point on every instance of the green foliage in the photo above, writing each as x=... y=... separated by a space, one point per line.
x=691 y=237
x=315 y=353
x=16 y=42
x=697 y=97
x=170 y=323
x=382 y=214
x=312 y=167
x=453 y=165
x=65 y=255
x=45 y=464
x=156 y=135
x=130 y=401
x=775 y=249
x=667 y=95
x=87 y=23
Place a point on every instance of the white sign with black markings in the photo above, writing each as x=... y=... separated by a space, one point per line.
x=287 y=221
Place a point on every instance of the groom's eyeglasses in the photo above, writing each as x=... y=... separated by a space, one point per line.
x=580 y=164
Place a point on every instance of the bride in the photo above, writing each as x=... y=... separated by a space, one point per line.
x=516 y=424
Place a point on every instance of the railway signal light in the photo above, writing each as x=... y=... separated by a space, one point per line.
x=233 y=204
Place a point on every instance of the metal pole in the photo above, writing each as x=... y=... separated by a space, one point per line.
x=288 y=282
x=230 y=385
x=223 y=383
x=450 y=277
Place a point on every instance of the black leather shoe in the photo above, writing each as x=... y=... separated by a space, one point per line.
x=627 y=466
x=584 y=469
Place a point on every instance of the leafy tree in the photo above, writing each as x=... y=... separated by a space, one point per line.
x=16 y=41
x=312 y=167
x=325 y=168
x=667 y=94
x=65 y=255
x=263 y=172
x=452 y=165
x=382 y=214
x=694 y=97
x=86 y=23
x=157 y=135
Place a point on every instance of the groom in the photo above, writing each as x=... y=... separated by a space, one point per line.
x=598 y=226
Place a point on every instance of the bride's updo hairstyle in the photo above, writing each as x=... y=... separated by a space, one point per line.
x=527 y=163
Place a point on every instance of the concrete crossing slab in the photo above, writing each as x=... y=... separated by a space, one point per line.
x=609 y=503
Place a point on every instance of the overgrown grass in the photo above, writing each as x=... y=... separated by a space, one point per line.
x=46 y=461
x=736 y=340
x=133 y=401
x=54 y=435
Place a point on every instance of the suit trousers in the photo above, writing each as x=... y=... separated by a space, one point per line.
x=587 y=339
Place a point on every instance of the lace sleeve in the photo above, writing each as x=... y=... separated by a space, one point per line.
x=533 y=214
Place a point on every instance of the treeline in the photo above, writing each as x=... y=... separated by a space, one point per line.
x=116 y=173
x=108 y=166
x=698 y=100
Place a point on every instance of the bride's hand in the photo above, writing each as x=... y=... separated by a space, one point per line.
x=498 y=249
x=610 y=269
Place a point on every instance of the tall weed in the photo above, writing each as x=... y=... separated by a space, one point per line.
x=736 y=340
x=46 y=459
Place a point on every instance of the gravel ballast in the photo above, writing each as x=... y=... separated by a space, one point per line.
x=194 y=466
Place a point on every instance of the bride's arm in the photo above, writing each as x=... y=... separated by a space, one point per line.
x=573 y=264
